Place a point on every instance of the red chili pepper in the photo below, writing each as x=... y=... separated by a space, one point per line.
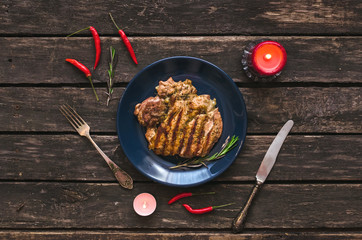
x=203 y=210
x=97 y=42
x=186 y=194
x=125 y=40
x=85 y=70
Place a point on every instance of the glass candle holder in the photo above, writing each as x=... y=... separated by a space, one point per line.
x=263 y=60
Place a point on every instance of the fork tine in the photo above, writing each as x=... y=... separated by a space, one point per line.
x=71 y=114
x=61 y=109
x=79 y=117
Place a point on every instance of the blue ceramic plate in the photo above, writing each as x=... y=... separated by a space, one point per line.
x=208 y=79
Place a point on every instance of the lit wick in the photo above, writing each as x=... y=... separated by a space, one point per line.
x=144 y=204
x=267 y=56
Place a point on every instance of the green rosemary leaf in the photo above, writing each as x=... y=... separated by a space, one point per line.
x=226 y=147
x=111 y=74
x=113 y=53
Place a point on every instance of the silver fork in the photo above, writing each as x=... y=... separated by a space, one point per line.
x=83 y=129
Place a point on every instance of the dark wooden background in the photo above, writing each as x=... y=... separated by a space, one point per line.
x=54 y=185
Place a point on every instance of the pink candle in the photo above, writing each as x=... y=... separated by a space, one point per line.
x=144 y=204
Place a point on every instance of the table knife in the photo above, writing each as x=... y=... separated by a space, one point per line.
x=263 y=172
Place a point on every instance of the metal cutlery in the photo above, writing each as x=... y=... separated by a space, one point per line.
x=83 y=129
x=263 y=172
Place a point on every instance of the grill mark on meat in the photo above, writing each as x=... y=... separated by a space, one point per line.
x=160 y=131
x=196 y=137
x=216 y=130
x=174 y=134
x=198 y=149
x=180 y=146
x=185 y=119
x=184 y=133
x=190 y=138
x=168 y=136
x=207 y=141
x=170 y=118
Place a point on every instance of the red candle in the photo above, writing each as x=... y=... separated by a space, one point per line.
x=268 y=58
x=264 y=59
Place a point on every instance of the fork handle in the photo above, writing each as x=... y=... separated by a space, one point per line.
x=123 y=178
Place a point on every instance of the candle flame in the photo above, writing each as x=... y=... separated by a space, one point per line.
x=268 y=56
x=144 y=204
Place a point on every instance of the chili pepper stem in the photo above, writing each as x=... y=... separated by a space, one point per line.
x=94 y=90
x=78 y=31
x=206 y=193
x=213 y=207
x=115 y=24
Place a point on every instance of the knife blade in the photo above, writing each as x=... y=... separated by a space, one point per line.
x=272 y=153
x=263 y=172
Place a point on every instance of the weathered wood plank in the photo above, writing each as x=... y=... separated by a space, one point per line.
x=109 y=235
x=314 y=109
x=185 y=17
x=42 y=60
x=45 y=157
x=102 y=206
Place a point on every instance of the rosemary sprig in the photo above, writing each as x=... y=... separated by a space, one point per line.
x=225 y=148
x=111 y=74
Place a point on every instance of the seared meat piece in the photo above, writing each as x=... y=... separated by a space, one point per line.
x=180 y=122
x=174 y=89
x=150 y=111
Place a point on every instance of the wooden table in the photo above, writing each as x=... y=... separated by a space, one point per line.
x=54 y=185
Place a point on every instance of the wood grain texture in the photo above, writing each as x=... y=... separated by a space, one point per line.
x=185 y=17
x=110 y=235
x=55 y=158
x=106 y=206
x=42 y=60
x=53 y=183
x=313 y=109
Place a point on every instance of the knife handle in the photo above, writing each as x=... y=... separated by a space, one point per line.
x=239 y=220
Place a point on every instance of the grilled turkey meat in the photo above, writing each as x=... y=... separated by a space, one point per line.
x=178 y=121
